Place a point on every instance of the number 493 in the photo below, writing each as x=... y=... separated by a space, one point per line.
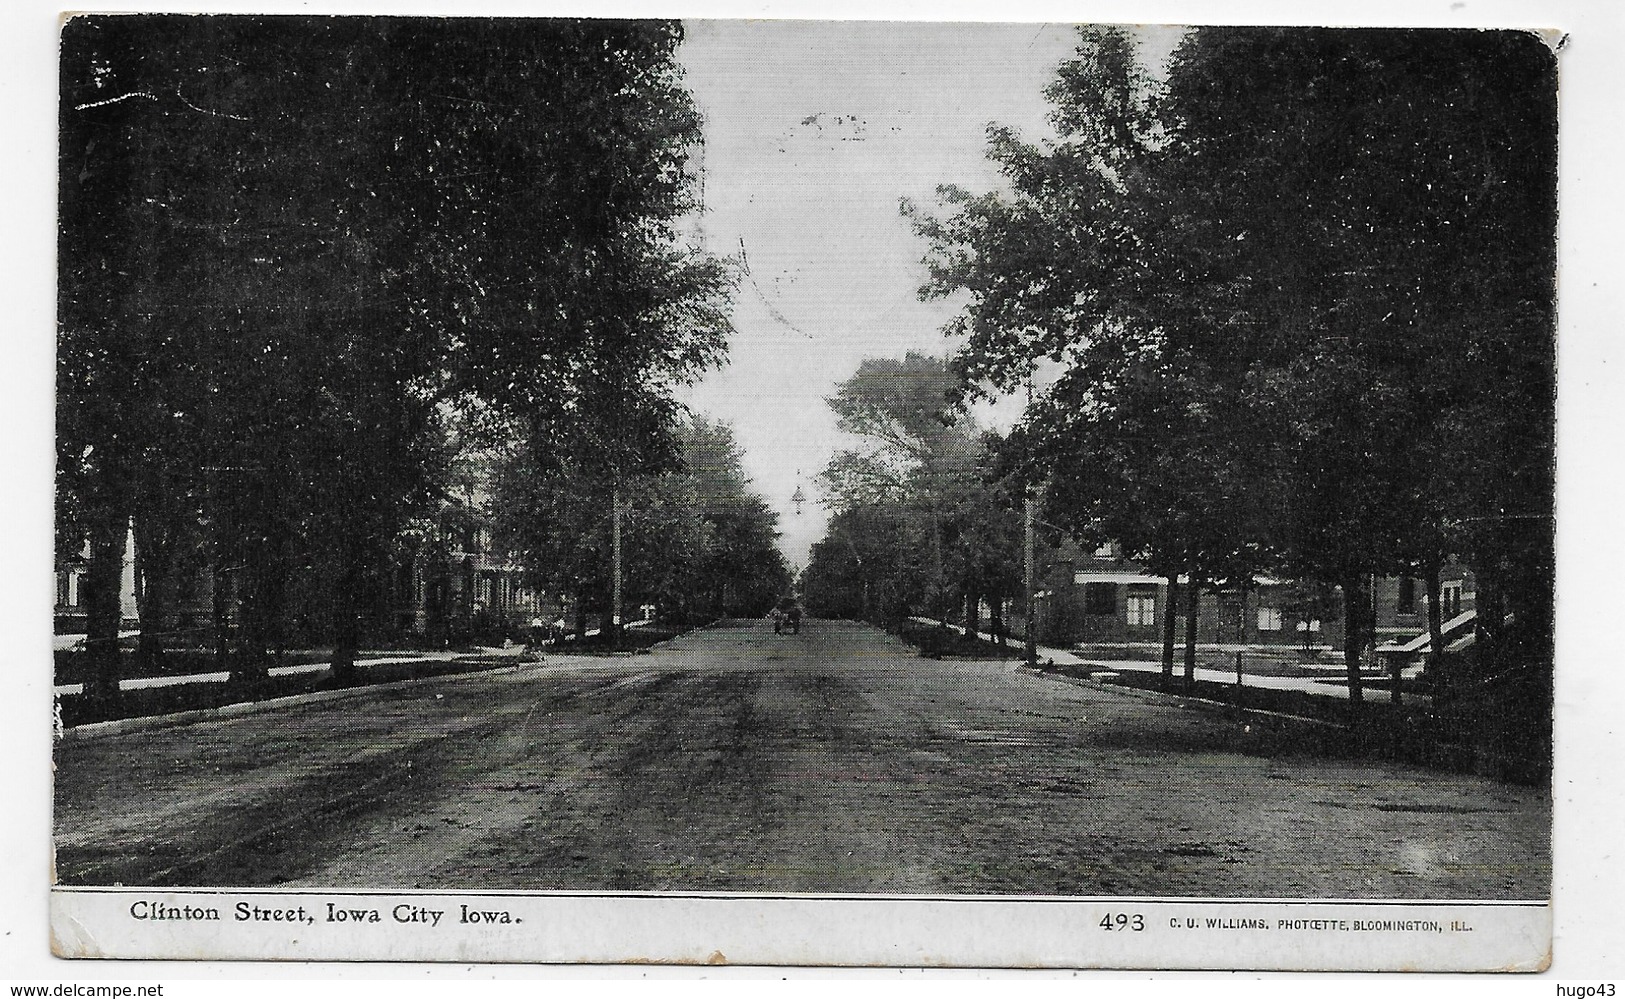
x=1122 y=921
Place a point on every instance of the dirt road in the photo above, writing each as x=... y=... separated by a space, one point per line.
x=740 y=760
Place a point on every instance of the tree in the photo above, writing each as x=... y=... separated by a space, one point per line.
x=1148 y=466
x=871 y=565
x=223 y=240
x=1300 y=268
x=901 y=410
x=1048 y=262
x=1132 y=438
x=699 y=542
x=924 y=459
x=318 y=241
x=982 y=535
x=1377 y=222
x=740 y=570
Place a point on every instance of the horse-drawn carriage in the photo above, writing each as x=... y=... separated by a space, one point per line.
x=787 y=614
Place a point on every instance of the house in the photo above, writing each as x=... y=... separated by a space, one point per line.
x=1097 y=595
x=453 y=584
x=1400 y=613
x=447 y=583
x=69 y=613
x=1400 y=602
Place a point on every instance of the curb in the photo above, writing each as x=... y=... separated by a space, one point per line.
x=122 y=726
x=664 y=642
x=1184 y=700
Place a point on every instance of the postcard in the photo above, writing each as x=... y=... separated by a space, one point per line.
x=838 y=493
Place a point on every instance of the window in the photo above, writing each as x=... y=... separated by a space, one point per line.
x=1107 y=550
x=1142 y=609
x=1269 y=619
x=1450 y=599
x=1100 y=598
x=1406 y=602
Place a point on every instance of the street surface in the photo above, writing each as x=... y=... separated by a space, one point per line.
x=739 y=760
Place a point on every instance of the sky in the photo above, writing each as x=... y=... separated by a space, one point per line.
x=813 y=132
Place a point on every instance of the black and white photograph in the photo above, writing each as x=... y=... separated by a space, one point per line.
x=799 y=492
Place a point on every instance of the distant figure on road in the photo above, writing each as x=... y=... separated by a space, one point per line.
x=787 y=611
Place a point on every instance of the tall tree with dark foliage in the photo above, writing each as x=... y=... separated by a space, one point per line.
x=288 y=246
x=1300 y=291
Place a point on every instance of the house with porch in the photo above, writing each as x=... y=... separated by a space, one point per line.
x=1099 y=596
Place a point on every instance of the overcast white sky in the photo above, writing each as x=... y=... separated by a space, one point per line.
x=814 y=131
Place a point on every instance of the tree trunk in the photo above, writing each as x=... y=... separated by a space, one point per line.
x=346 y=621
x=218 y=600
x=465 y=611
x=615 y=575
x=254 y=608
x=1491 y=614
x=155 y=566
x=249 y=664
x=581 y=621
x=1354 y=627
x=995 y=622
x=1193 y=591
x=1430 y=580
x=104 y=579
x=275 y=598
x=156 y=609
x=1530 y=596
x=1170 y=614
x=1242 y=615
x=1396 y=668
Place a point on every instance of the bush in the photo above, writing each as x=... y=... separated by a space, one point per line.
x=935 y=641
x=1431 y=735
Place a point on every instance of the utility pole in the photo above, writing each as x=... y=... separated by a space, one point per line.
x=1031 y=574
x=1029 y=557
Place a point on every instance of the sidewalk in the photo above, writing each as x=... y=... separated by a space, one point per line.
x=67 y=643
x=480 y=652
x=1308 y=685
